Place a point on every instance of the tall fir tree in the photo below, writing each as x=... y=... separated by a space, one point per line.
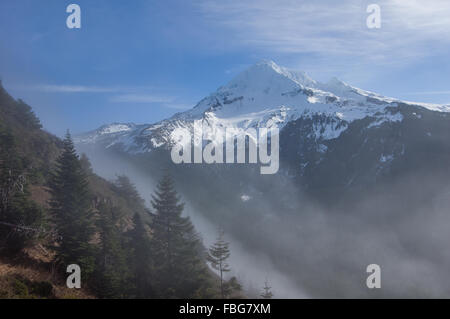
x=218 y=254
x=72 y=211
x=177 y=250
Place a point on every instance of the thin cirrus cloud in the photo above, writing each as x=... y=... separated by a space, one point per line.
x=409 y=28
x=52 y=88
x=122 y=94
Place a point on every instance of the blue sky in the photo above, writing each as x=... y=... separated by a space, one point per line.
x=141 y=61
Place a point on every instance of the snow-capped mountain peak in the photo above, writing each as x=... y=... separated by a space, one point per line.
x=264 y=95
x=268 y=75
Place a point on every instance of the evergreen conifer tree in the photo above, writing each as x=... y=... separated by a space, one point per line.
x=177 y=250
x=71 y=209
x=217 y=256
x=112 y=274
x=129 y=191
x=267 y=291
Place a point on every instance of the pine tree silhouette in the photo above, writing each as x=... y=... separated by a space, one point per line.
x=176 y=246
x=71 y=209
x=217 y=256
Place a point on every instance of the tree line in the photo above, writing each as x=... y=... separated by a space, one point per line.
x=156 y=254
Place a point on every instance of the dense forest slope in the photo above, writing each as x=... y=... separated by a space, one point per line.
x=55 y=211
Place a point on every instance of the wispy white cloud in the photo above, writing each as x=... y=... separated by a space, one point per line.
x=55 y=88
x=410 y=29
x=114 y=94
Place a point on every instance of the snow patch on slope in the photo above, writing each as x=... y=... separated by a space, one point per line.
x=264 y=95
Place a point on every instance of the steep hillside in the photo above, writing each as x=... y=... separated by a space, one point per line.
x=40 y=149
x=55 y=211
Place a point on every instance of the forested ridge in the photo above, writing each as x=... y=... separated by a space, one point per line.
x=55 y=211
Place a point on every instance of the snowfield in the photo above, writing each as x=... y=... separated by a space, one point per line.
x=264 y=95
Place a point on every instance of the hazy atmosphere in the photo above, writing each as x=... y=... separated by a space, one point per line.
x=224 y=149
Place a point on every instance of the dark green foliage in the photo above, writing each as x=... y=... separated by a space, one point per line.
x=176 y=248
x=28 y=217
x=129 y=192
x=18 y=110
x=232 y=288
x=37 y=146
x=24 y=288
x=18 y=214
x=71 y=209
x=86 y=164
x=12 y=169
x=27 y=116
x=168 y=263
x=20 y=289
x=141 y=259
x=42 y=288
x=112 y=273
x=119 y=258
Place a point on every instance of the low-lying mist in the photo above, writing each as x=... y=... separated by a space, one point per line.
x=308 y=250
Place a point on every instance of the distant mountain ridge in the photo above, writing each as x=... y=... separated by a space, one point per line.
x=317 y=122
x=264 y=95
